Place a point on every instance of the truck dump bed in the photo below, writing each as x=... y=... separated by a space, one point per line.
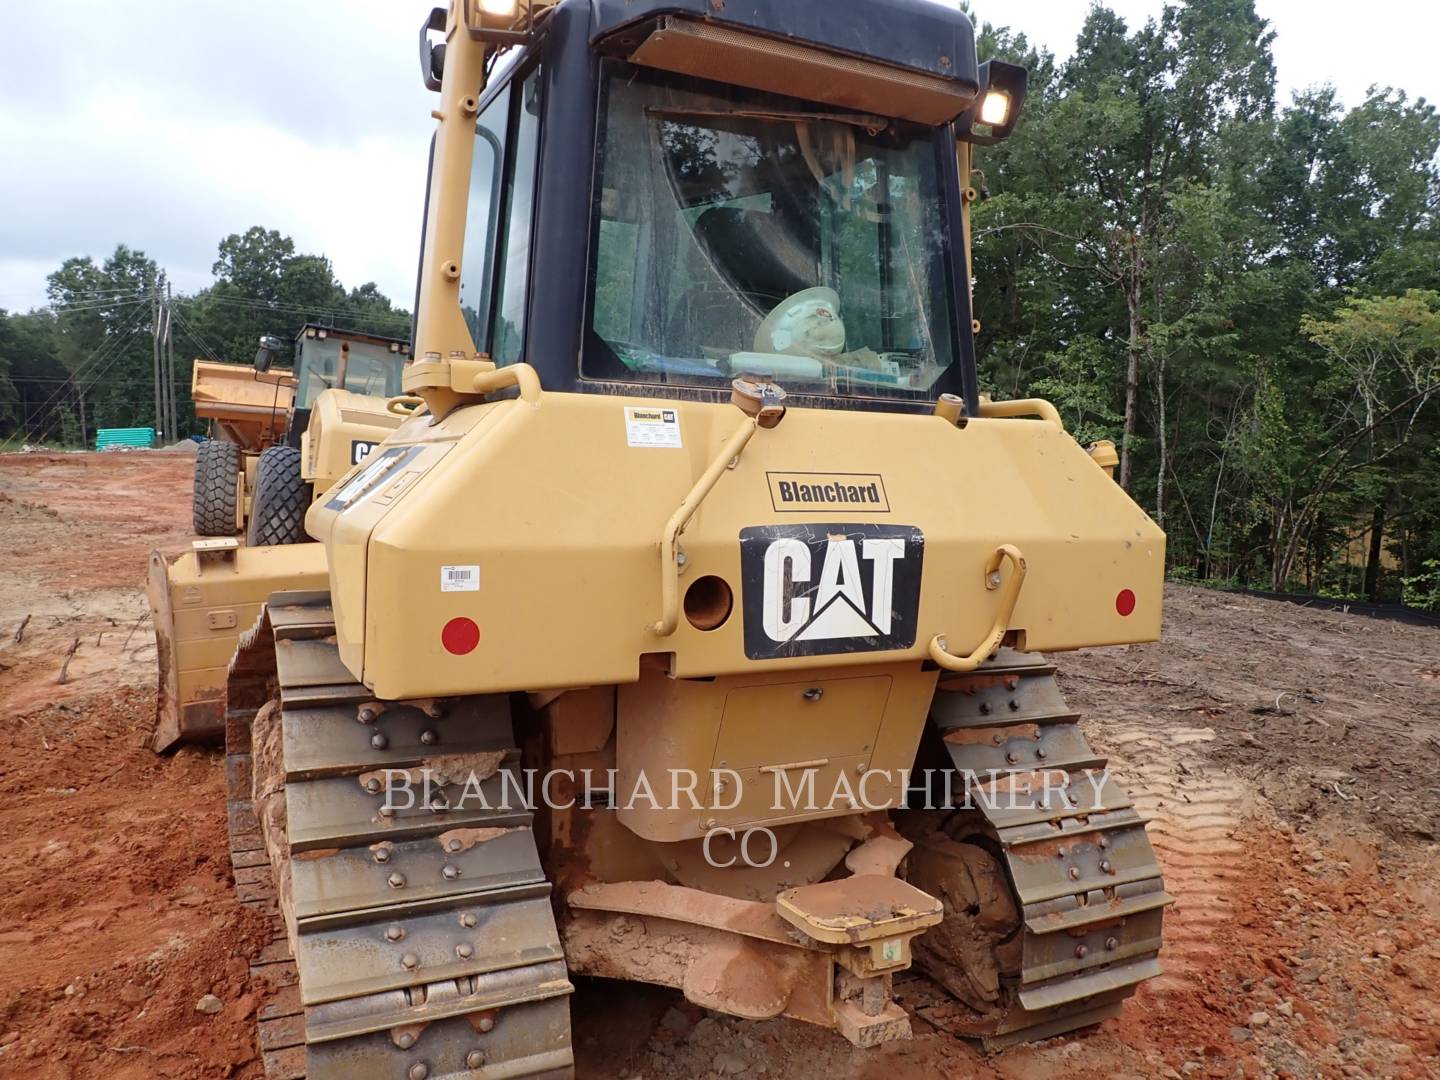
x=251 y=407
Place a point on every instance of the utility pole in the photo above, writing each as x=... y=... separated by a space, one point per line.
x=170 y=363
x=80 y=390
x=155 y=353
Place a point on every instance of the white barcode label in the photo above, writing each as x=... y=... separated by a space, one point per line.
x=459 y=579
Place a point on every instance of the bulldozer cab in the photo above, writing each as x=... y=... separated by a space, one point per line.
x=354 y=363
x=716 y=201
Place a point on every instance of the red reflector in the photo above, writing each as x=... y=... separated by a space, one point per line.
x=460 y=636
x=1125 y=602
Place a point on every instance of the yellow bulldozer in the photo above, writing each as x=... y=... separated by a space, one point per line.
x=280 y=438
x=690 y=627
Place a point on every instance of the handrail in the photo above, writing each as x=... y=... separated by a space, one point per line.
x=404 y=405
x=939 y=650
x=669 y=539
x=1023 y=407
x=502 y=378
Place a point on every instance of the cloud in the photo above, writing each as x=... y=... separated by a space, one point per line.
x=167 y=126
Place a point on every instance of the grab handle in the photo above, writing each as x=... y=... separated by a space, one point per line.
x=522 y=376
x=939 y=651
x=669 y=540
x=1022 y=407
x=405 y=405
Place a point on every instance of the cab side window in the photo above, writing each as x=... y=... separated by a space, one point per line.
x=513 y=270
x=495 y=272
x=482 y=215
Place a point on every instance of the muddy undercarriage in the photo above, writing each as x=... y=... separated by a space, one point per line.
x=436 y=938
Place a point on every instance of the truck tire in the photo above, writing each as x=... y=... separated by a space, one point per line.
x=277 y=512
x=217 y=487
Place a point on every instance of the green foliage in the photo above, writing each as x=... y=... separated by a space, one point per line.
x=1077 y=388
x=263 y=286
x=1422 y=590
x=32 y=371
x=1262 y=276
x=94 y=342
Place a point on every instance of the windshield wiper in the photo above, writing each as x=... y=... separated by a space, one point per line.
x=872 y=125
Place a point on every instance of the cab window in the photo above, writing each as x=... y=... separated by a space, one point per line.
x=744 y=232
x=513 y=269
x=496 y=269
x=482 y=213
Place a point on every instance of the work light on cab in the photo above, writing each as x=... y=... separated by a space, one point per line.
x=995 y=108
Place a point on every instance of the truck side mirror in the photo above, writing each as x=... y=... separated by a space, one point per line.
x=270 y=345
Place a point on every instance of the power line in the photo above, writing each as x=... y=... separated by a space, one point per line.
x=195 y=335
x=88 y=303
x=106 y=347
x=94 y=306
x=296 y=309
x=80 y=384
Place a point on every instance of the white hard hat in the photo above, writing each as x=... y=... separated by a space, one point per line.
x=806 y=323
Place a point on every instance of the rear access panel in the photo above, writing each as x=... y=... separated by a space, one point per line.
x=765 y=749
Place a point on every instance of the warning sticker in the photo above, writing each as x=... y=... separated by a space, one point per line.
x=459 y=579
x=652 y=427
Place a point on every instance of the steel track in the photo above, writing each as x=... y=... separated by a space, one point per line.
x=427 y=949
x=1083 y=877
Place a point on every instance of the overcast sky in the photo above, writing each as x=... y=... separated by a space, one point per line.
x=166 y=124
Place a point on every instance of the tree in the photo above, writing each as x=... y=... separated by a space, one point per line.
x=29 y=363
x=102 y=317
x=264 y=286
x=1154 y=234
x=1145 y=118
x=9 y=396
x=91 y=349
x=1386 y=371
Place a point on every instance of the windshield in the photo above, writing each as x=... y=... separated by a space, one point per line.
x=372 y=369
x=742 y=232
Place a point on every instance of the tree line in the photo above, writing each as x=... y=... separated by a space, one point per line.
x=1243 y=294
x=86 y=360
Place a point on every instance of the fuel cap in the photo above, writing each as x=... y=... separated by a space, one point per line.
x=757 y=396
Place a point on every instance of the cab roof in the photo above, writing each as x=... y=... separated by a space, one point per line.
x=914 y=35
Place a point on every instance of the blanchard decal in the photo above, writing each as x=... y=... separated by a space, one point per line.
x=815 y=589
x=360 y=450
x=652 y=427
x=792 y=491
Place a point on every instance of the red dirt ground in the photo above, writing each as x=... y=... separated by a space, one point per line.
x=1288 y=756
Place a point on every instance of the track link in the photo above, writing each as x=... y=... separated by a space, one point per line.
x=411 y=944
x=1086 y=893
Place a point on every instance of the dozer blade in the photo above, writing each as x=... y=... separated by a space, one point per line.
x=200 y=601
x=416 y=941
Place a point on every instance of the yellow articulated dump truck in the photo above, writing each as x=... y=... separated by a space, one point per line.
x=692 y=630
x=281 y=438
x=259 y=471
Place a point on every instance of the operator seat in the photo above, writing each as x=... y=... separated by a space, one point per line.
x=737 y=252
